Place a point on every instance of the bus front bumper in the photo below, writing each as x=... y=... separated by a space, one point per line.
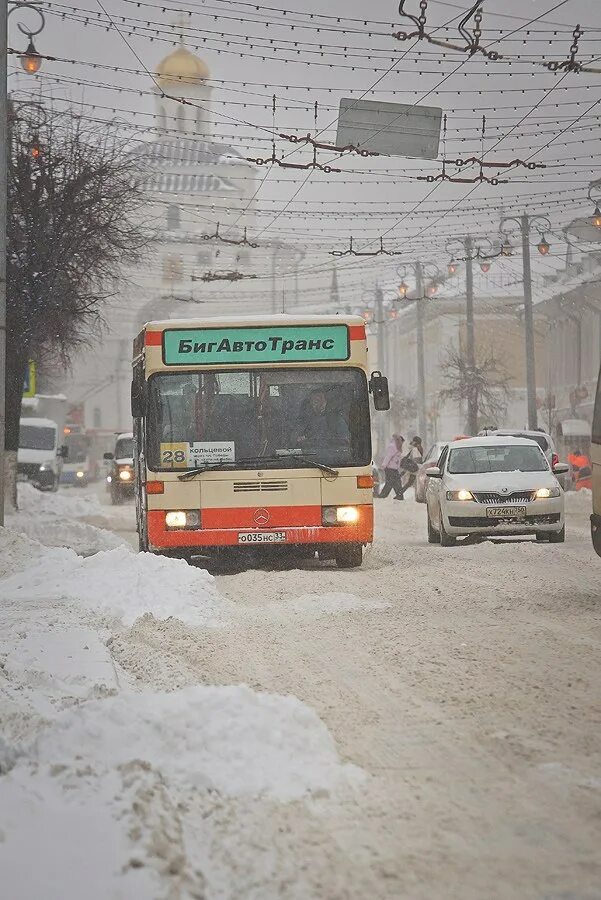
x=160 y=537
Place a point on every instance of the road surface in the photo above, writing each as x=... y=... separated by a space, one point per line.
x=466 y=683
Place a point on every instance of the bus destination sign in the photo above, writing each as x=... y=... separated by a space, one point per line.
x=260 y=344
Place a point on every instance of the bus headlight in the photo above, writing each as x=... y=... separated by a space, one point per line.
x=125 y=474
x=177 y=519
x=79 y=474
x=340 y=515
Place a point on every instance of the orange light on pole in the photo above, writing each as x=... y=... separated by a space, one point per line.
x=403 y=289
x=30 y=60
x=543 y=246
x=452 y=267
x=506 y=248
x=432 y=288
x=485 y=266
x=597 y=217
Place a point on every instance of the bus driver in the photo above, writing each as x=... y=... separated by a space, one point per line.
x=321 y=427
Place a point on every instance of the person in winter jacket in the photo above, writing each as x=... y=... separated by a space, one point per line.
x=391 y=464
x=410 y=463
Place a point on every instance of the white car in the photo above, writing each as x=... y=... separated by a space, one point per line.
x=494 y=486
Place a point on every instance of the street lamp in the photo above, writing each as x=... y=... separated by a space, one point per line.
x=485 y=267
x=543 y=245
x=597 y=217
x=506 y=248
x=452 y=267
x=524 y=223
x=30 y=59
x=403 y=290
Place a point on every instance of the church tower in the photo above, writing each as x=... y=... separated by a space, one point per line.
x=183 y=75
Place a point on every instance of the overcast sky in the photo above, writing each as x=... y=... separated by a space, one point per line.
x=527 y=107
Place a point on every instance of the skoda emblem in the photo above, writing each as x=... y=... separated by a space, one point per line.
x=261 y=516
x=505 y=490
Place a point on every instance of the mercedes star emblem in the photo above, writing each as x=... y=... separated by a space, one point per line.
x=261 y=516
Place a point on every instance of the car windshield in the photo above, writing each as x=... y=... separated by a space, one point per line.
x=77 y=448
x=499 y=458
x=277 y=415
x=124 y=448
x=34 y=437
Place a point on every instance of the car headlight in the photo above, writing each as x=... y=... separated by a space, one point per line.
x=340 y=515
x=79 y=474
x=460 y=495
x=545 y=493
x=188 y=519
x=125 y=474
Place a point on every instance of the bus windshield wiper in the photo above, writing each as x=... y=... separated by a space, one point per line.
x=226 y=464
x=189 y=474
x=308 y=463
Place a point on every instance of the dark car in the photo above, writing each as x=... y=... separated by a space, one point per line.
x=120 y=478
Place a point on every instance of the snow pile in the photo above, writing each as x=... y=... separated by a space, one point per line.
x=62 y=504
x=116 y=582
x=230 y=739
x=50 y=518
x=84 y=539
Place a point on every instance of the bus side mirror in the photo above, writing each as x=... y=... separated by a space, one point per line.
x=138 y=398
x=378 y=387
x=108 y=456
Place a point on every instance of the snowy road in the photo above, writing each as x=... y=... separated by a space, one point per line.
x=465 y=683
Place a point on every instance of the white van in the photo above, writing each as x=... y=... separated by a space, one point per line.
x=40 y=457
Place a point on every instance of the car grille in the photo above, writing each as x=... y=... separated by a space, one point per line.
x=242 y=486
x=501 y=499
x=485 y=522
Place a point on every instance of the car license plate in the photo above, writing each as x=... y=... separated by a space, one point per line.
x=506 y=512
x=262 y=537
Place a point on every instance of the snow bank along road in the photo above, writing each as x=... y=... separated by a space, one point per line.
x=425 y=727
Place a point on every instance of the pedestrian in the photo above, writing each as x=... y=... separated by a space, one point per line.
x=410 y=464
x=391 y=465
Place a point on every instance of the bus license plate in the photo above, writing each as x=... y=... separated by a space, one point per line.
x=262 y=537
x=506 y=512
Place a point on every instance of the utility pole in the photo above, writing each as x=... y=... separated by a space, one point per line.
x=421 y=363
x=524 y=223
x=529 y=324
x=274 y=299
x=3 y=190
x=470 y=349
x=381 y=337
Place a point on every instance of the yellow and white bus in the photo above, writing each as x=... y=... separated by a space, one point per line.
x=255 y=432
x=596 y=467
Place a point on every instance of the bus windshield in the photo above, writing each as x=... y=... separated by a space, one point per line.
x=274 y=415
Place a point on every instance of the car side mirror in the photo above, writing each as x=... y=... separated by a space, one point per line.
x=62 y=452
x=378 y=387
x=433 y=472
x=561 y=468
x=108 y=456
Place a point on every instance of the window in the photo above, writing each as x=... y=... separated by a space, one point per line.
x=173 y=267
x=500 y=458
x=269 y=415
x=124 y=448
x=173 y=217
x=36 y=437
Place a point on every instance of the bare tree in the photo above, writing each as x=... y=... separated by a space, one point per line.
x=403 y=409
x=73 y=222
x=486 y=384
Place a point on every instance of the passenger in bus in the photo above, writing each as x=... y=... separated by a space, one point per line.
x=320 y=426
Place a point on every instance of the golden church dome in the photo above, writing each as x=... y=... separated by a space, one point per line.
x=182 y=67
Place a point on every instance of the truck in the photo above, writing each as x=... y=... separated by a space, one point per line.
x=40 y=456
